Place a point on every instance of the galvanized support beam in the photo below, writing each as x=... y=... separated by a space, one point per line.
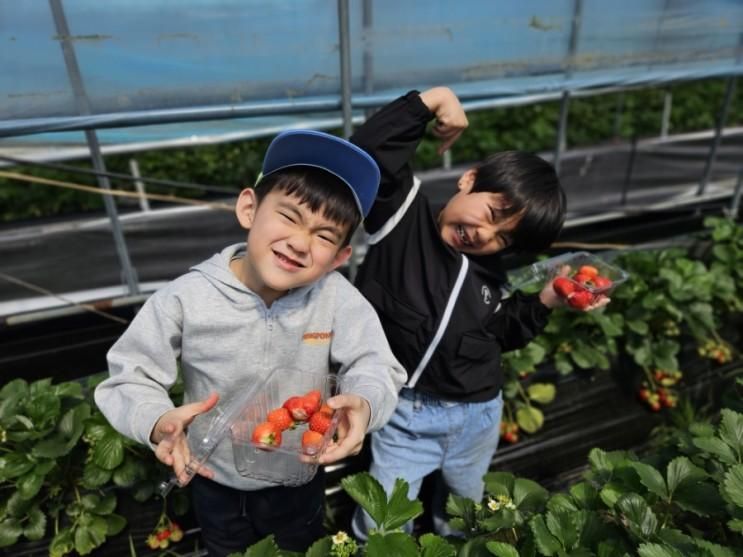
x=561 y=142
x=83 y=106
x=719 y=125
x=345 y=60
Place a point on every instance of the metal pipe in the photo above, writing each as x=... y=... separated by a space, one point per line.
x=83 y=106
x=561 y=142
x=665 y=120
x=345 y=61
x=722 y=118
x=144 y=203
x=735 y=203
x=628 y=172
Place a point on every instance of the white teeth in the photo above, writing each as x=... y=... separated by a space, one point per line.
x=460 y=231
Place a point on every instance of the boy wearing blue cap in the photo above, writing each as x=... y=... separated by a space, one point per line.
x=272 y=302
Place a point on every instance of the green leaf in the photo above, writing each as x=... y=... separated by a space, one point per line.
x=62 y=543
x=716 y=447
x=499 y=483
x=700 y=498
x=369 y=494
x=656 y=550
x=321 y=548
x=400 y=509
x=115 y=523
x=52 y=447
x=475 y=547
x=714 y=549
x=95 y=476
x=36 y=526
x=106 y=505
x=501 y=549
x=543 y=393
x=641 y=519
x=639 y=327
x=560 y=502
x=435 y=546
x=530 y=419
x=14 y=465
x=128 y=473
x=29 y=485
x=265 y=548
x=108 y=452
x=732 y=485
x=610 y=494
x=585 y=495
x=731 y=429
x=546 y=543
x=10 y=531
x=651 y=479
x=528 y=495
x=736 y=525
x=395 y=544
x=680 y=471
x=561 y=526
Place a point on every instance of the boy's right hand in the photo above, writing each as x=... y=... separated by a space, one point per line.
x=169 y=434
x=451 y=119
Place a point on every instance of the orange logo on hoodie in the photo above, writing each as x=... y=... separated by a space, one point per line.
x=317 y=338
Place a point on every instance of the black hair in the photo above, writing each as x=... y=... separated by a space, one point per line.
x=319 y=190
x=531 y=188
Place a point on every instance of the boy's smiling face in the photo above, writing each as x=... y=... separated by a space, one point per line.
x=472 y=223
x=288 y=246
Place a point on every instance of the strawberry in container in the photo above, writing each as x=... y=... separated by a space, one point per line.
x=585 y=281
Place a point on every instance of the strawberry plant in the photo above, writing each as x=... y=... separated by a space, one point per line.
x=685 y=501
x=60 y=465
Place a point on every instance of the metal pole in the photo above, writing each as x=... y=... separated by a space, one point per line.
x=665 y=121
x=618 y=114
x=367 y=24
x=736 y=195
x=345 y=59
x=83 y=106
x=720 y=124
x=561 y=143
x=144 y=203
x=630 y=168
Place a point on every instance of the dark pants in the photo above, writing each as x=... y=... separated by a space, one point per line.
x=231 y=520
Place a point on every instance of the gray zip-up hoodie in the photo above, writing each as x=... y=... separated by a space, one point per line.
x=225 y=339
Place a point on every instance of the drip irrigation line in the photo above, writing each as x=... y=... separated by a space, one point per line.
x=118 y=175
x=117 y=193
x=40 y=290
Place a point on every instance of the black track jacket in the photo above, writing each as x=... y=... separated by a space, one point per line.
x=442 y=312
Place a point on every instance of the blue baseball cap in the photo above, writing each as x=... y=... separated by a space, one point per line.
x=341 y=158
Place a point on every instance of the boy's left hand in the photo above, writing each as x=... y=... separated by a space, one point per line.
x=354 y=420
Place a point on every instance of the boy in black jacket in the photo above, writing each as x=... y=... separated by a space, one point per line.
x=435 y=280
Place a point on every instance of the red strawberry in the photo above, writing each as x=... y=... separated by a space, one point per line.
x=312 y=442
x=281 y=418
x=296 y=407
x=267 y=433
x=311 y=403
x=588 y=270
x=563 y=286
x=325 y=409
x=314 y=395
x=582 y=278
x=320 y=422
x=580 y=300
x=601 y=282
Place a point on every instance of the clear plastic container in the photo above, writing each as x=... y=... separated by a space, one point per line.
x=532 y=278
x=577 y=260
x=289 y=463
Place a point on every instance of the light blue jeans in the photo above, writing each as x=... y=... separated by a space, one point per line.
x=427 y=434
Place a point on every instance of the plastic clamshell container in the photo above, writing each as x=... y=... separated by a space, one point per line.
x=288 y=463
x=578 y=259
